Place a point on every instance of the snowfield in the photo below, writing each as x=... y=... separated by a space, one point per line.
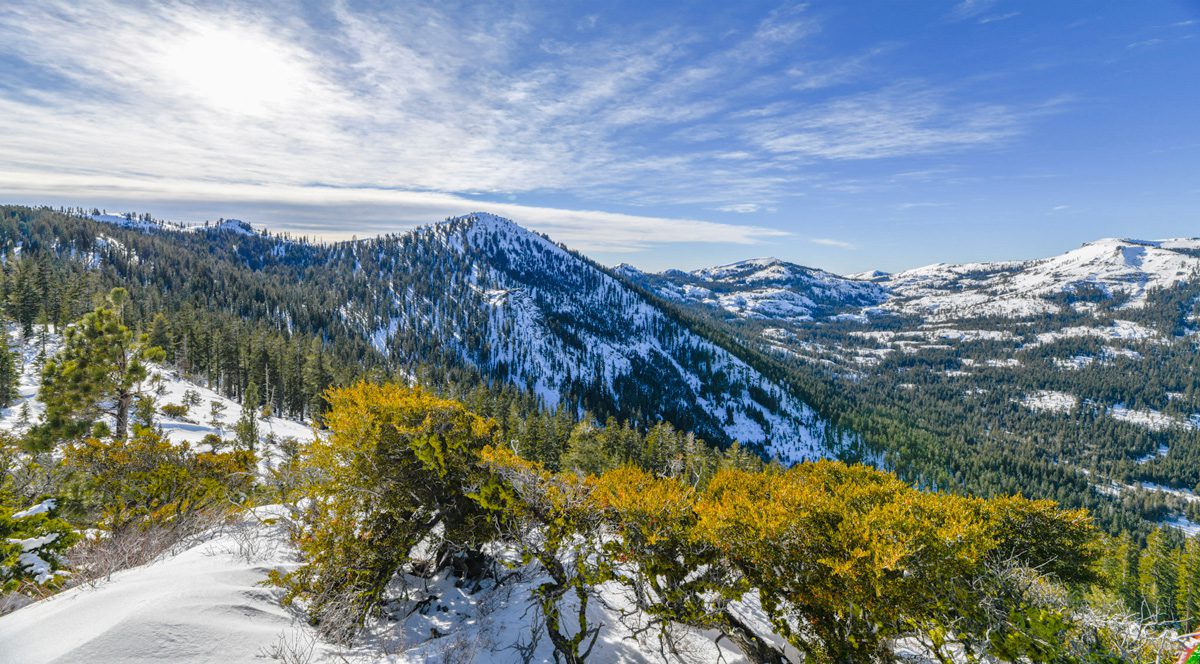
x=205 y=604
x=1019 y=288
x=763 y=288
x=1051 y=401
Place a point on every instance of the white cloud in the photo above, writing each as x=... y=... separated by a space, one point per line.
x=830 y=242
x=740 y=208
x=309 y=211
x=996 y=18
x=176 y=102
x=970 y=8
x=899 y=121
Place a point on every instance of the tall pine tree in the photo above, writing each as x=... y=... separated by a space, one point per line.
x=100 y=370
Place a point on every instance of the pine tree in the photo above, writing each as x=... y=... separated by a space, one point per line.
x=24 y=302
x=246 y=429
x=9 y=374
x=101 y=369
x=216 y=414
x=160 y=335
x=586 y=451
x=1158 y=571
x=1188 y=601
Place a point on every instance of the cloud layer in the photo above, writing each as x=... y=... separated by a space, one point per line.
x=418 y=109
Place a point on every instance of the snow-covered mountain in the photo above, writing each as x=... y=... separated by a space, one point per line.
x=1104 y=268
x=516 y=306
x=762 y=288
x=771 y=289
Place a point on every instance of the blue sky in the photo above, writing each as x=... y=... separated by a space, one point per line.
x=842 y=135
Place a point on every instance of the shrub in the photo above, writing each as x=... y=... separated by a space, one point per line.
x=149 y=480
x=31 y=543
x=390 y=476
x=176 y=410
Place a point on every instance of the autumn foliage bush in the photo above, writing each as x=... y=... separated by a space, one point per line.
x=845 y=560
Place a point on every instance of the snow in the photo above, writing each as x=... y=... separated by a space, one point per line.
x=527 y=315
x=236 y=226
x=1183 y=524
x=203 y=605
x=935 y=334
x=1151 y=419
x=25 y=410
x=1118 y=330
x=1019 y=288
x=40 y=508
x=31 y=543
x=166 y=385
x=35 y=565
x=1050 y=401
x=768 y=288
x=131 y=222
x=1074 y=362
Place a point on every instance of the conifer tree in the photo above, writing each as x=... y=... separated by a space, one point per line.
x=101 y=369
x=246 y=429
x=9 y=374
x=1158 y=576
x=24 y=302
x=1188 y=600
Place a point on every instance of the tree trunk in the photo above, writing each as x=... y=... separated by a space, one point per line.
x=123 y=403
x=751 y=644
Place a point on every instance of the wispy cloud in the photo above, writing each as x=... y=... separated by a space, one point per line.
x=740 y=208
x=902 y=120
x=996 y=18
x=970 y=9
x=411 y=107
x=830 y=242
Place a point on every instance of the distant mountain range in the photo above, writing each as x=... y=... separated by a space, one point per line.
x=772 y=289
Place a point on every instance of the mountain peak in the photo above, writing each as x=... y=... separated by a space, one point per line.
x=488 y=221
x=235 y=226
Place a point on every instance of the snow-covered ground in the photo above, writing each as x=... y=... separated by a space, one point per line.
x=206 y=604
x=1146 y=417
x=1119 y=330
x=1019 y=288
x=1050 y=401
x=166 y=385
x=765 y=288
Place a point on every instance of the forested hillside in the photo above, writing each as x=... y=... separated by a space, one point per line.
x=436 y=428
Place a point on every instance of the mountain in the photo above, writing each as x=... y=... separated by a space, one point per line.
x=1104 y=269
x=762 y=288
x=950 y=399
x=522 y=309
x=772 y=289
x=476 y=294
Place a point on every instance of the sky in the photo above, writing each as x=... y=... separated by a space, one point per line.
x=842 y=135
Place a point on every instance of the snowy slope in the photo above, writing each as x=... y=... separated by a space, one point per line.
x=763 y=288
x=1019 y=288
x=167 y=386
x=205 y=605
x=525 y=310
x=768 y=288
